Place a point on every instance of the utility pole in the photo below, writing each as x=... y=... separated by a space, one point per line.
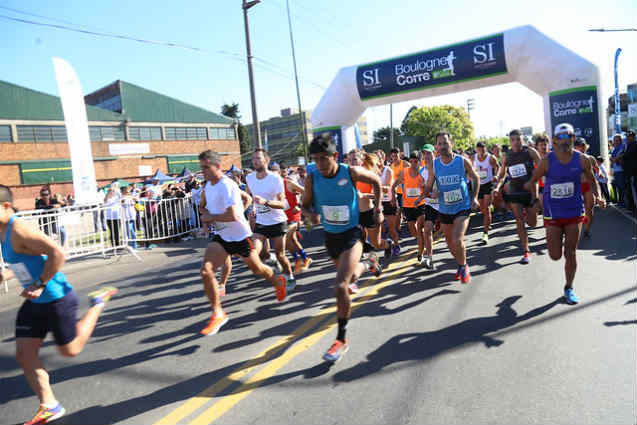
x=298 y=93
x=618 y=111
x=470 y=107
x=255 y=120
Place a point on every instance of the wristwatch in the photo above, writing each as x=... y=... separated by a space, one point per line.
x=39 y=283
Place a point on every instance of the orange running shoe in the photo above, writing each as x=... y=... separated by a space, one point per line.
x=46 y=415
x=215 y=323
x=306 y=264
x=101 y=295
x=465 y=276
x=281 y=288
x=336 y=351
x=298 y=263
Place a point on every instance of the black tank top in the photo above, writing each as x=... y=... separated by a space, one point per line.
x=520 y=167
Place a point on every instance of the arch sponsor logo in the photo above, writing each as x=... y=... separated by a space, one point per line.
x=573 y=107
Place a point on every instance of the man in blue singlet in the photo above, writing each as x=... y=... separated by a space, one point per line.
x=563 y=201
x=450 y=171
x=51 y=304
x=330 y=192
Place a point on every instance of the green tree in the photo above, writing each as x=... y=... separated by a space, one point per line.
x=430 y=120
x=232 y=111
x=384 y=132
x=490 y=141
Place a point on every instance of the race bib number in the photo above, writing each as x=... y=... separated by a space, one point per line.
x=517 y=170
x=262 y=209
x=337 y=215
x=452 y=196
x=413 y=192
x=482 y=174
x=562 y=190
x=21 y=273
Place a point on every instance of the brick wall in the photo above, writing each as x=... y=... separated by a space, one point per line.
x=105 y=171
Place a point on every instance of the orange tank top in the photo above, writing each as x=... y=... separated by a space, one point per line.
x=364 y=187
x=396 y=169
x=413 y=190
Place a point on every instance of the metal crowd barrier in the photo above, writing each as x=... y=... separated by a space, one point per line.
x=112 y=227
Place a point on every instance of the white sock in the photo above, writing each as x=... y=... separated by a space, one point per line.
x=290 y=276
x=50 y=405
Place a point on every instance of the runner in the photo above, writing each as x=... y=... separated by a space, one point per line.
x=563 y=203
x=51 y=303
x=499 y=206
x=487 y=168
x=330 y=190
x=389 y=211
x=369 y=225
x=224 y=209
x=293 y=212
x=397 y=166
x=413 y=203
x=520 y=161
x=542 y=146
x=432 y=207
x=449 y=171
x=589 y=200
x=266 y=188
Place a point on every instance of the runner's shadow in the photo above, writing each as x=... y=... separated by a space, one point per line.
x=427 y=345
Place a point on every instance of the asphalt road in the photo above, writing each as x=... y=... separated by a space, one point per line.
x=424 y=348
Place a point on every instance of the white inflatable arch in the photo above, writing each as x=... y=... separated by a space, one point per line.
x=568 y=83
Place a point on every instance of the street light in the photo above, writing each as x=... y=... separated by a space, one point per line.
x=471 y=105
x=255 y=120
x=612 y=30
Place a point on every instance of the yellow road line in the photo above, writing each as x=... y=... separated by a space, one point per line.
x=202 y=398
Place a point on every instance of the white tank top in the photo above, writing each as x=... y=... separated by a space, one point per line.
x=385 y=181
x=484 y=169
x=433 y=202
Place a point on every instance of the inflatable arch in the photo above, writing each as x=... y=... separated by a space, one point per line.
x=568 y=83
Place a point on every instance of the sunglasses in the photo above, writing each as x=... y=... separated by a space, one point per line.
x=564 y=136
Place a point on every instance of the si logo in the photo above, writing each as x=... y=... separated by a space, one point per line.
x=342 y=182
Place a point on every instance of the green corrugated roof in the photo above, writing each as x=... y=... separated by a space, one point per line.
x=21 y=103
x=143 y=105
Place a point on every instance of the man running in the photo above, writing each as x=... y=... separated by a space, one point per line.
x=432 y=213
x=268 y=193
x=486 y=166
x=51 y=303
x=520 y=162
x=413 y=203
x=330 y=191
x=390 y=212
x=563 y=203
x=224 y=209
x=542 y=147
x=293 y=212
x=397 y=166
x=449 y=171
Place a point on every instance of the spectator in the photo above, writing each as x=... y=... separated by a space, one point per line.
x=618 y=170
x=99 y=222
x=630 y=171
x=129 y=216
x=49 y=223
x=112 y=213
x=602 y=178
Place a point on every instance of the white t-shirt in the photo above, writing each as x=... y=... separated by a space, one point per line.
x=225 y=193
x=112 y=207
x=268 y=188
x=433 y=202
x=128 y=208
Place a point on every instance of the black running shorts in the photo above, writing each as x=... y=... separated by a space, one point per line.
x=241 y=248
x=35 y=320
x=337 y=243
x=449 y=218
x=366 y=219
x=412 y=214
x=271 y=231
x=485 y=189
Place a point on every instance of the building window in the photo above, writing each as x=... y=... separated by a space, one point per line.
x=217 y=133
x=106 y=134
x=5 y=133
x=186 y=133
x=42 y=133
x=144 y=133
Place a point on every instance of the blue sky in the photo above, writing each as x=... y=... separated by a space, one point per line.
x=329 y=34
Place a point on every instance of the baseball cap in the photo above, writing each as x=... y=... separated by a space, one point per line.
x=274 y=166
x=580 y=142
x=630 y=133
x=564 y=128
x=428 y=147
x=479 y=145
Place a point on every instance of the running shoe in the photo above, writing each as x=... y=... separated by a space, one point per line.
x=395 y=250
x=485 y=238
x=353 y=288
x=222 y=291
x=281 y=288
x=465 y=276
x=457 y=276
x=298 y=263
x=290 y=284
x=101 y=295
x=46 y=415
x=428 y=262
x=526 y=259
x=306 y=264
x=388 y=252
x=217 y=320
x=374 y=265
x=570 y=297
x=419 y=260
x=336 y=351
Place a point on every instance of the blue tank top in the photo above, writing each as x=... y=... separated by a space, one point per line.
x=452 y=184
x=563 y=188
x=28 y=268
x=336 y=200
